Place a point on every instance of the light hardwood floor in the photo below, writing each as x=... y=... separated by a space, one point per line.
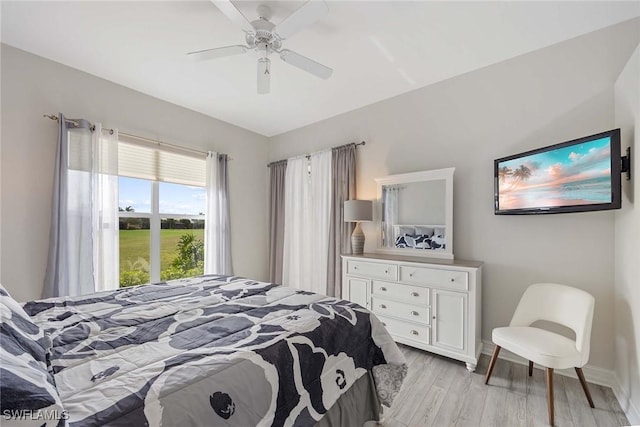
x=441 y=392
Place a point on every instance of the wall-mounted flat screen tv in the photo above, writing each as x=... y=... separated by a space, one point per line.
x=574 y=176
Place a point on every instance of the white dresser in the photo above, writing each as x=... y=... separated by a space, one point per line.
x=431 y=304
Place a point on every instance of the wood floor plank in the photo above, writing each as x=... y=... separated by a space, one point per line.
x=537 y=406
x=563 y=414
x=537 y=409
x=493 y=413
x=578 y=405
x=440 y=392
x=602 y=412
x=424 y=371
x=452 y=403
x=515 y=408
x=429 y=407
x=431 y=368
x=615 y=407
x=434 y=397
x=391 y=422
x=518 y=376
x=409 y=353
x=474 y=397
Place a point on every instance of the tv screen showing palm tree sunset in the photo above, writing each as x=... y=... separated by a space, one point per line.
x=577 y=174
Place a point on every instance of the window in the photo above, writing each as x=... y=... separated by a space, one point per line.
x=161 y=210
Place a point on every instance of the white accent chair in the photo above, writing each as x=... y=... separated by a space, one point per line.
x=560 y=304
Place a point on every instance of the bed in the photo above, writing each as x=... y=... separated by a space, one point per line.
x=209 y=350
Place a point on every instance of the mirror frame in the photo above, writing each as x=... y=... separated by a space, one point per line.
x=405 y=178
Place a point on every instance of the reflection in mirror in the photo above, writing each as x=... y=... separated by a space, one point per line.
x=415 y=213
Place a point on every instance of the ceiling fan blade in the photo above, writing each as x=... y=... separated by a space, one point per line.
x=264 y=75
x=309 y=13
x=306 y=64
x=218 y=52
x=231 y=12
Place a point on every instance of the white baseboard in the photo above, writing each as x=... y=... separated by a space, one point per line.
x=593 y=374
x=630 y=410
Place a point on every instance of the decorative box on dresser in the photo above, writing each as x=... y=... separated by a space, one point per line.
x=427 y=303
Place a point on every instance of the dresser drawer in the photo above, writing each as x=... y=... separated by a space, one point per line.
x=450 y=279
x=374 y=270
x=413 y=313
x=417 y=295
x=412 y=331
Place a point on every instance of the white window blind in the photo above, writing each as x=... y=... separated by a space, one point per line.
x=139 y=159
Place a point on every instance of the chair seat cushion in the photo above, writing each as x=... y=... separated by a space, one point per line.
x=539 y=346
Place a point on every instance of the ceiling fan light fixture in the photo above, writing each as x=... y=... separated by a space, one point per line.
x=264 y=75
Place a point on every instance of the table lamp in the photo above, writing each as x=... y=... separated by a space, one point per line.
x=357 y=211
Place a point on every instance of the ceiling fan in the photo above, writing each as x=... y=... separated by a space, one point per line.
x=265 y=38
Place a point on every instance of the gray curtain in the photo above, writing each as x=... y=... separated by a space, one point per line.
x=225 y=220
x=277 y=173
x=344 y=188
x=70 y=261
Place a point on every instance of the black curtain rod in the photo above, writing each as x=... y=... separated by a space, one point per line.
x=308 y=156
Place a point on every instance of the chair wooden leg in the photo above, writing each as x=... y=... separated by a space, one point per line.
x=530 y=368
x=585 y=387
x=492 y=363
x=549 y=378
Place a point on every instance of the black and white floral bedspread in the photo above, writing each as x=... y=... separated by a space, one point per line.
x=212 y=350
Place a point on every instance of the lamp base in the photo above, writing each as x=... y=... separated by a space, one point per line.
x=357 y=240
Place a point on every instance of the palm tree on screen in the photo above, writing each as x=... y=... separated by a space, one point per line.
x=522 y=173
x=504 y=172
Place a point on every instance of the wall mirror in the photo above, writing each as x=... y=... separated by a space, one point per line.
x=414 y=213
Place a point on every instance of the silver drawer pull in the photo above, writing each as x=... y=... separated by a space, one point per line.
x=414 y=332
x=386 y=272
x=415 y=294
x=383 y=306
x=453 y=280
x=415 y=313
x=410 y=274
x=355 y=267
x=383 y=289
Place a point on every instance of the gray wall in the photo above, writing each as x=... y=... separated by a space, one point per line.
x=627 y=244
x=33 y=86
x=548 y=96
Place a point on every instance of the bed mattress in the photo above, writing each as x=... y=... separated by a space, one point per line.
x=212 y=350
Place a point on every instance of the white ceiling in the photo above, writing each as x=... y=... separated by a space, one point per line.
x=378 y=49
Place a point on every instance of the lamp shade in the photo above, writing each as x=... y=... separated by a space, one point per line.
x=358 y=210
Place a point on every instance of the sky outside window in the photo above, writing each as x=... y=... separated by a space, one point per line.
x=135 y=193
x=181 y=199
x=174 y=198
